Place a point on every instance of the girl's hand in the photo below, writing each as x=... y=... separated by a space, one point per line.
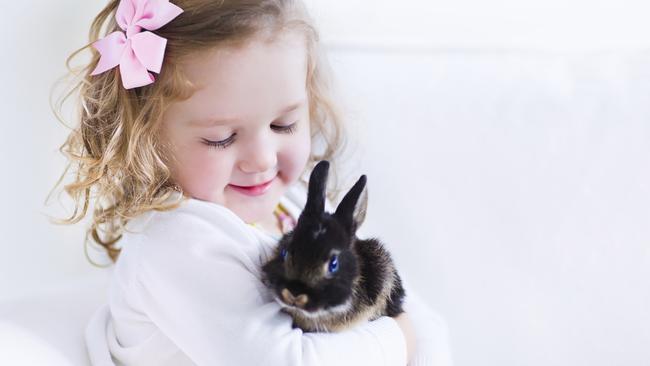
x=404 y=323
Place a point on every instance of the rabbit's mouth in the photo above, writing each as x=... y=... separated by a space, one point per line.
x=288 y=307
x=315 y=312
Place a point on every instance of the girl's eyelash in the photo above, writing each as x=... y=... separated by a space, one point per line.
x=286 y=129
x=220 y=144
x=227 y=142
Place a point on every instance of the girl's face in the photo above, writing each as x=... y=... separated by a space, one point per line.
x=247 y=125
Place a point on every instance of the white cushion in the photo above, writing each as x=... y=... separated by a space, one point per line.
x=47 y=328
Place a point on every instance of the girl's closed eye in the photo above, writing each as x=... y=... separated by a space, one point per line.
x=286 y=129
x=222 y=144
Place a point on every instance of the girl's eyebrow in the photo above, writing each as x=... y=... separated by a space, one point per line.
x=210 y=122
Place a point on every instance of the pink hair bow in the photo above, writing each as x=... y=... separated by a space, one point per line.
x=136 y=52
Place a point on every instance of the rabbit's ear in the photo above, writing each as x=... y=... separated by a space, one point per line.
x=361 y=208
x=316 y=194
x=352 y=211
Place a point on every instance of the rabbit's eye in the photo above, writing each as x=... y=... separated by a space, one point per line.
x=334 y=264
x=283 y=253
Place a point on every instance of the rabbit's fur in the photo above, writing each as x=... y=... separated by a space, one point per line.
x=325 y=277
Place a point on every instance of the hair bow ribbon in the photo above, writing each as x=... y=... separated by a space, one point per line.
x=136 y=51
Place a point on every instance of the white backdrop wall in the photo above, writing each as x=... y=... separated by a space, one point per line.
x=507 y=146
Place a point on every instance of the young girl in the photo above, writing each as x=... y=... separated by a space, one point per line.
x=196 y=172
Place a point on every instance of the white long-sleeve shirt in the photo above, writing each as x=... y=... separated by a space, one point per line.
x=186 y=290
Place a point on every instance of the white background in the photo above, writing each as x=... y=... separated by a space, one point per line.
x=507 y=146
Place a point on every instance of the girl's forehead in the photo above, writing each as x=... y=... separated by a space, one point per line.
x=230 y=65
x=246 y=82
x=230 y=121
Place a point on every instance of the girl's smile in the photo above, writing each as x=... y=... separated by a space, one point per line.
x=253 y=190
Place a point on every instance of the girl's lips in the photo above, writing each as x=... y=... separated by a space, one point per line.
x=253 y=190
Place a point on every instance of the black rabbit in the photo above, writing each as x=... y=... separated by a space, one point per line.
x=325 y=277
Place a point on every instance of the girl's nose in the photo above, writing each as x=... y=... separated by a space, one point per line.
x=260 y=157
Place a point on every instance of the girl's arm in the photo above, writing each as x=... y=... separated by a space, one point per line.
x=202 y=290
x=431 y=333
x=404 y=322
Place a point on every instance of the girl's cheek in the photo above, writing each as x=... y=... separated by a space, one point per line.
x=204 y=171
x=296 y=155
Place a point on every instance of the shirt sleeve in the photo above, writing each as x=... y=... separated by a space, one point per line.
x=431 y=332
x=201 y=291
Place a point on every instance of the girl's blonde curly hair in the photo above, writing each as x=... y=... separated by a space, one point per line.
x=116 y=155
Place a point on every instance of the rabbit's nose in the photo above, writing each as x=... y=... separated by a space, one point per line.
x=299 y=301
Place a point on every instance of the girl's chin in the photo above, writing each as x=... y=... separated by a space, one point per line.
x=254 y=209
x=258 y=215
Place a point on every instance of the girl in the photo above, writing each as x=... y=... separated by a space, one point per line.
x=195 y=173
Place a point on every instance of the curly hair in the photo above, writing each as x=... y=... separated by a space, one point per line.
x=115 y=151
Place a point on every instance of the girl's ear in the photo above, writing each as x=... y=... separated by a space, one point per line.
x=315 y=205
x=351 y=212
